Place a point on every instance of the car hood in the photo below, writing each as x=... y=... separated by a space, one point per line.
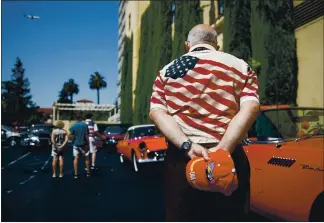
x=305 y=151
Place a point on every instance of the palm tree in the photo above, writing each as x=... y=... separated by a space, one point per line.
x=97 y=82
x=63 y=96
x=71 y=88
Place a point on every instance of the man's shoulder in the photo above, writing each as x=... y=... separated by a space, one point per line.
x=227 y=59
x=78 y=125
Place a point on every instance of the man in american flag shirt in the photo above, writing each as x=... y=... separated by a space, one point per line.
x=204 y=101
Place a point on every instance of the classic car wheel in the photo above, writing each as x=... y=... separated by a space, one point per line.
x=121 y=158
x=135 y=162
x=13 y=141
x=316 y=213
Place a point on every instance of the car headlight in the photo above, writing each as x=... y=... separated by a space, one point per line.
x=34 y=138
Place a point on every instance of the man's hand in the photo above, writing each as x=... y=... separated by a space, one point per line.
x=198 y=151
x=239 y=126
x=213 y=149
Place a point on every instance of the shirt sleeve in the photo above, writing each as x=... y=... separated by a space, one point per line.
x=250 y=90
x=95 y=127
x=158 y=96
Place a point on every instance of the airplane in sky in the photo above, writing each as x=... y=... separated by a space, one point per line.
x=32 y=16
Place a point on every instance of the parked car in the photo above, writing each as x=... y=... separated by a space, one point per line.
x=9 y=136
x=285 y=149
x=142 y=144
x=115 y=133
x=102 y=127
x=38 y=135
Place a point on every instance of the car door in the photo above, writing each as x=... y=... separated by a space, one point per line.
x=280 y=184
x=122 y=144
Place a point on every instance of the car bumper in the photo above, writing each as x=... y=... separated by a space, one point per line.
x=151 y=160
x=153 y=156
x=35 y=143
x=111 y=142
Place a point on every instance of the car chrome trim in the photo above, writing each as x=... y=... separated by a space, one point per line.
x=280 y=161
x=304 y=166
x=150 y=160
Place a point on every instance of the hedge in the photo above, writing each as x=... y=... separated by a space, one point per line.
x=187 y=15
x=264 y=30
x=155 y=52
x=126 y=96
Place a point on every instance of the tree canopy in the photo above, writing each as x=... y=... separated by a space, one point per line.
x=97 y=82
x=17 y=104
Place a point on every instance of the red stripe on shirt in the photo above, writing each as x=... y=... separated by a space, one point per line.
x=195 y=125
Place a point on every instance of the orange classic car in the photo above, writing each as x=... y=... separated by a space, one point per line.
x=142 y=144
x=286 y=154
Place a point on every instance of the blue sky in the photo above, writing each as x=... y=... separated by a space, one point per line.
x=71 y=40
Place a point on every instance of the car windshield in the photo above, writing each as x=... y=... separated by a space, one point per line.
x=143 y=131
x=115 y=129
x=41 y=128
x=288 y=123
x=6 y=128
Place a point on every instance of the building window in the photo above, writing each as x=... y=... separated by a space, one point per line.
x=129 y=21
x=220 y=7
x=173 y=10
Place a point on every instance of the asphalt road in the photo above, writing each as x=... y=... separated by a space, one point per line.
x=113 y=193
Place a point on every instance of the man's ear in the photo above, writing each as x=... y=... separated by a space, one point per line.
x=187 y=46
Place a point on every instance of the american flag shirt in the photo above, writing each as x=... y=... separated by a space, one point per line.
x=92 y=126
x=203 y=90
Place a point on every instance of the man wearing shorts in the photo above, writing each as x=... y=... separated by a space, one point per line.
x=80 y=138
x=93 y=130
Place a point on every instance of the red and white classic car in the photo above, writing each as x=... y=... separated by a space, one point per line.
x=142 y=144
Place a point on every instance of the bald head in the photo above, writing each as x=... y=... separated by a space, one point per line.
x=202 y=33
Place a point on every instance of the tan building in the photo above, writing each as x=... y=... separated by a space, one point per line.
x=309 y=33
x=130 y=15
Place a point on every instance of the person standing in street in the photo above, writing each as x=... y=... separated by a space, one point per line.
x=59 y=139
x=202 y=102
x=93 y=131
x=80 y=138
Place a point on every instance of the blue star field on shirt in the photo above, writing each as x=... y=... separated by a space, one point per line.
x=181 y=66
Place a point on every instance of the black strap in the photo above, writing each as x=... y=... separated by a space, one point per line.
x=199 y=49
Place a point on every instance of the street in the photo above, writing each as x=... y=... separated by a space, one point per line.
x=113 y=193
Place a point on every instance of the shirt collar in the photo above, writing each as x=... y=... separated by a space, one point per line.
x=202 y=45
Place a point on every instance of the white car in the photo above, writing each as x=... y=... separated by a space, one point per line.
x=9 y=136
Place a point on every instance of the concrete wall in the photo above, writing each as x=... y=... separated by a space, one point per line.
x=310 y=63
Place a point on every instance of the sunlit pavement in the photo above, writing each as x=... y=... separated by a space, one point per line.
x=113 y=193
